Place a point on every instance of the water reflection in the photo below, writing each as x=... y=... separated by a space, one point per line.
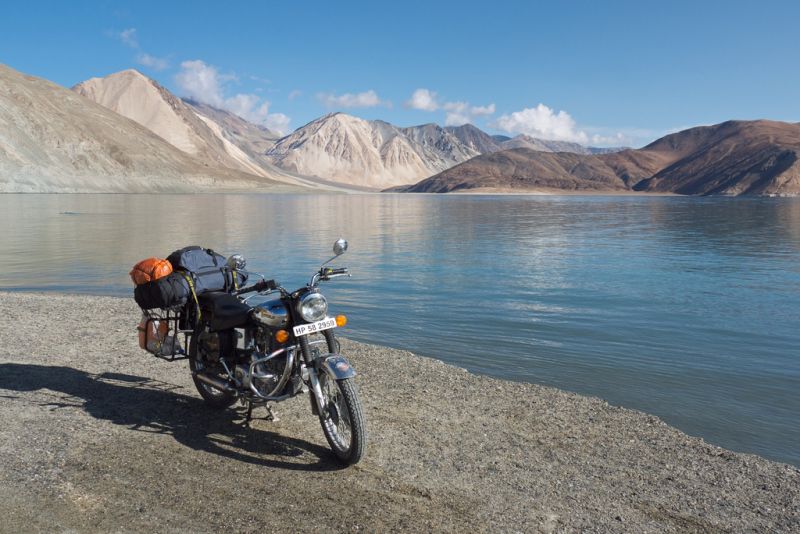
x=687 y=308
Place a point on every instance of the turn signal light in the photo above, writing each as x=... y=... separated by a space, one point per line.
x=281 y=336
x=341 y=320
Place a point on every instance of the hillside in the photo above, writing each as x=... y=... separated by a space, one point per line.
x=484 y=143
x=346 y=149
x=54 y=140
x=201 y=131
x=732 y=158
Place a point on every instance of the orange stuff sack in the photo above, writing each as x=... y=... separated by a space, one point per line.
x=149 y=270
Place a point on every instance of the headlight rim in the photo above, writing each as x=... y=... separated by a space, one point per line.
x=315 y=295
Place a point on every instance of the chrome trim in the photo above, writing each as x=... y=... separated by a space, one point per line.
x=317 y=391
x=287 y=371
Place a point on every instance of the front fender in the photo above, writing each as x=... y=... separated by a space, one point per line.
x=336 y=366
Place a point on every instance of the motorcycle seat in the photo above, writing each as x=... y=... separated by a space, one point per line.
x=223 y=310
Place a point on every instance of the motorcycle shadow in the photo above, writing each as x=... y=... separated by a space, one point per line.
x=147 y=405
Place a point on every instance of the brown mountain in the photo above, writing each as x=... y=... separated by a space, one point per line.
x=732 y=158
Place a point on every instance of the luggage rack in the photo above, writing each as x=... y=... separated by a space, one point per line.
x=174 y=320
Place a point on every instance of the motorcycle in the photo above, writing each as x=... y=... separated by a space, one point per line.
x=264 y=344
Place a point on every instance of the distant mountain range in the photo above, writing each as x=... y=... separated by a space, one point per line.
x=732 y=158
x=54 y=140
x=354 y=151
x=484 y=143
x=127 y=133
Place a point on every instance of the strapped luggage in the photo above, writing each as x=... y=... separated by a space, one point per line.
x=172 y=291
x=209 y=270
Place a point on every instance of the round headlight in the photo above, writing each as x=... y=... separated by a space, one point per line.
x=313 y=307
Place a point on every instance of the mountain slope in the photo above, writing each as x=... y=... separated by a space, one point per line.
x=376 y=154
x=251 y=138
x=53 y=140
x=546 y=145
x=484 y=143
x=475 y=138
x=732 y=158
x=214 y=136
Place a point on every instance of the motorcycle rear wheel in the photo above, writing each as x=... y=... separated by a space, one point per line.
x=213 y=397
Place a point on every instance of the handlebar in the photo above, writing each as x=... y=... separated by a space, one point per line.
x=261 y=285
x=330 y=271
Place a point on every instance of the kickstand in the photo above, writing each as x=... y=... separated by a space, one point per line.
x=270 y=413
x=249 y=416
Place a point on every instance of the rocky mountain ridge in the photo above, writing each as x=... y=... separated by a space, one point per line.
x=732 y=158
x=54 y=140
x=215 y=137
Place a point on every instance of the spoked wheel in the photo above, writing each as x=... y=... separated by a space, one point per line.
x=343 y=418
x=215 y=398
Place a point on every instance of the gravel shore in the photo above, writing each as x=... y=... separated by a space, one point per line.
x=97 y=435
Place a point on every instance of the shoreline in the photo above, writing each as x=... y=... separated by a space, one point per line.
x=116 y=438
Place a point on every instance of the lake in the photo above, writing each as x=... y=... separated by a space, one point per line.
x=687 y=308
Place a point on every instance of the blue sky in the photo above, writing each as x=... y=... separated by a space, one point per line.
x=594 y=72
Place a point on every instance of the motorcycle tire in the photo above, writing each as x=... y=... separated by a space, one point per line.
x=343 y=421
x=213 y=397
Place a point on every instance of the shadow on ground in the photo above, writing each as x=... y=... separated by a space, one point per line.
x=145 y=405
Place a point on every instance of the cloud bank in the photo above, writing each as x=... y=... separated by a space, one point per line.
x=204 y=83
x=542 y=122
x=423 y=99
x=457 y=113
x=155 y=63
x=367 y=99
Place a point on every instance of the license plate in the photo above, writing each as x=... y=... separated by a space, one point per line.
x=310 y=328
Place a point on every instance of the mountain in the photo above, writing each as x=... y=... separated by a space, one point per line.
x=134 y=95
x=732 y=158
x=54 y=140
x=346 y=149
x=253 y=139
x=477 y=139
x=546 y=145
x=484 y=143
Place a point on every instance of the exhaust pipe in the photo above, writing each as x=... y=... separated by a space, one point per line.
x=214 y=382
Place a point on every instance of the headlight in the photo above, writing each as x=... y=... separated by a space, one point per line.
x=313 y=307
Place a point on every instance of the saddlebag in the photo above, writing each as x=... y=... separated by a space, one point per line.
x=171 y=291
x=209 y=270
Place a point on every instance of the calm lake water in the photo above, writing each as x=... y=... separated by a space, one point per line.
x=687 y=308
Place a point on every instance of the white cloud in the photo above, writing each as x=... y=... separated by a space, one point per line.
x=128 y=37
x=367 y=99
x=294 y=94
x=542 y=122
x=203 y=82
x=423 y=99
x=482 y=110
x=277 y=122
x=459 y=113
x=155 y=63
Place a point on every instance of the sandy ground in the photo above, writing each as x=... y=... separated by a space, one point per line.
x=98 y=436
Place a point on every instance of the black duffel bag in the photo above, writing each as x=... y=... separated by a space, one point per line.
x=209 y=270
x=170 y=291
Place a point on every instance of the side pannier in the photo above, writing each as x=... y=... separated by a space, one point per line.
x=208 y=269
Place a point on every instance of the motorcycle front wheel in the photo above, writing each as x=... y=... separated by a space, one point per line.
x=343 y=418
